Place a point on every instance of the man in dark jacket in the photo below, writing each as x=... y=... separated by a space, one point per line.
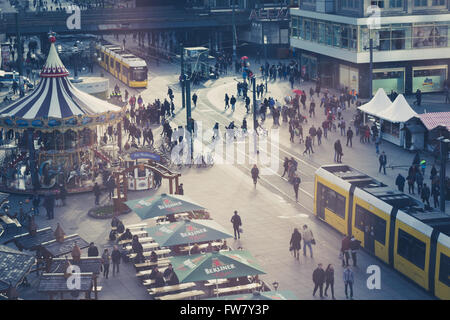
x=318 y=279
x=115 y=257
x=138 y=249
x=236 y=221
x=425 y=195
x=400 y=182
x=383 y=160
x=96 y=190
x=158 y=277
x=349 y=136
x=93 y=250
x=296 y=183
x=170 y=276
x=255 y=174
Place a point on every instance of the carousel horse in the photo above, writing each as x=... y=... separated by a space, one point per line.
x=47 y=175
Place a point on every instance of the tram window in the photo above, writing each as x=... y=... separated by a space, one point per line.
x=139 y=74
x=103 y=56
x=117 y=66
x=125 y=71
x=364 y=218
x=444 y=269
x=411 y=248
x=111 y=62
x=332 y=200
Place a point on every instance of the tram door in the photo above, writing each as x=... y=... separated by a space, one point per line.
x=369 y=236
x=321 y=201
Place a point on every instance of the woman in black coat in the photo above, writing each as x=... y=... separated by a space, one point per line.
x=295 y=243
x=329 y=280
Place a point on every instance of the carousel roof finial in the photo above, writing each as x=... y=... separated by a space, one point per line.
x=53 y=68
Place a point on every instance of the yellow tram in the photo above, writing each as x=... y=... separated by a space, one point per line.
x=390 y=225
x=123 y=65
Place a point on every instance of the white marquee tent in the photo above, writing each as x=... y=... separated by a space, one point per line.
x=398 y=111
x=377 y=104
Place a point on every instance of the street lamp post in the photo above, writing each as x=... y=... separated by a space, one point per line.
x=182 y=78
x=254 y=113
x=234 y=31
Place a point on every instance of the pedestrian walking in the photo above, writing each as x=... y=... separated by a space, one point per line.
x=295 y=243
x=411 y=180
x=400 y=182
x=237 y=223
x=233 y=102
x=354 y=247
x=285 y=166
x=97 y=192
x=115 y=258
x=425 y=195
x=255 y=174
x=345 y=250
x=308 y=240
x=318 y=279
x=435 y=194
x=194 y=99
x=338 y=151
x=319 y=136
x=348 y=281
x=419 y=181
x=296 y=183
x=227 y=101
x=92 y=250
x=349 y=137
x=383 y=160
x=329 y=281
x=106 y=258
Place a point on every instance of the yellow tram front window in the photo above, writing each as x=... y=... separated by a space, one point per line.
x=138 y=74
x=411 y=248
x=331 y=200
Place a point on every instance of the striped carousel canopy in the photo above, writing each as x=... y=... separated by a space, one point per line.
x=56 y=102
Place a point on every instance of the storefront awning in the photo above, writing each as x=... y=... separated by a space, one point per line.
x=398 y=111
x=377 y=104
x=434 y=119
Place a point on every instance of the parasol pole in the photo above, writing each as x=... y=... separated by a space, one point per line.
x=217 y=287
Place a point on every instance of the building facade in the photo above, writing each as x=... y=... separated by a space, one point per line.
x=411 y=43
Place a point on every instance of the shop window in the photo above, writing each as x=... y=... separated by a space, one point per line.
x=411 y=248
x=332 y=200
x=420 y=3
x=429 y=80
x=444 y=269
x=395 y=3
x=366 y=221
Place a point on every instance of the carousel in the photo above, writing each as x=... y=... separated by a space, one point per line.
x=55 y=131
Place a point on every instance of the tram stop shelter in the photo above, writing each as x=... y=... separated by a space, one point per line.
x=14 y=267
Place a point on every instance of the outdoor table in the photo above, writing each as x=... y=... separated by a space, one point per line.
x=181 y=295
x=210 y=283
x=141 y=240
x=56 y=249
x=177 y=216
x=139 y=233
x=152 y=264
x=148 y=282
x=165 y=289
x=148 y=272
x=145 y=246
x=245 y=287
x=28 y=242
x=136 y=226
x=161 y=252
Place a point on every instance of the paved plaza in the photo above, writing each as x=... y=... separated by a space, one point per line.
x=269 y=213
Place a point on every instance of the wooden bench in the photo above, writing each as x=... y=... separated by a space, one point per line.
x=139 y=233
x=166 y=289
x=201 y=246
x=145 y=246
x=210 y=283
x=177 y=216
x=182 y=295
x=141 y=240
x=136 y=226
x=148 y=264
x=250 y=286
x=148 y=272
x=161 y=252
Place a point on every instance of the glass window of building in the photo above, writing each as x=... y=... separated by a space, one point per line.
x=423 y=36
x=438 y=3
x=389 y=79
x=294 y=26
x=385 y=39
x=429 y=79
x=307 y=35
x=337 y=40
x=321 y=27
x=314 y=31
x=420 y=3
x=395 y=3
x=329 y=34
x=300 y=28
x=353 y=38
x=345 y=36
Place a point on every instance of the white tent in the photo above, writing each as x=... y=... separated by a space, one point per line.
x=398 y=111
x=377 y=104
